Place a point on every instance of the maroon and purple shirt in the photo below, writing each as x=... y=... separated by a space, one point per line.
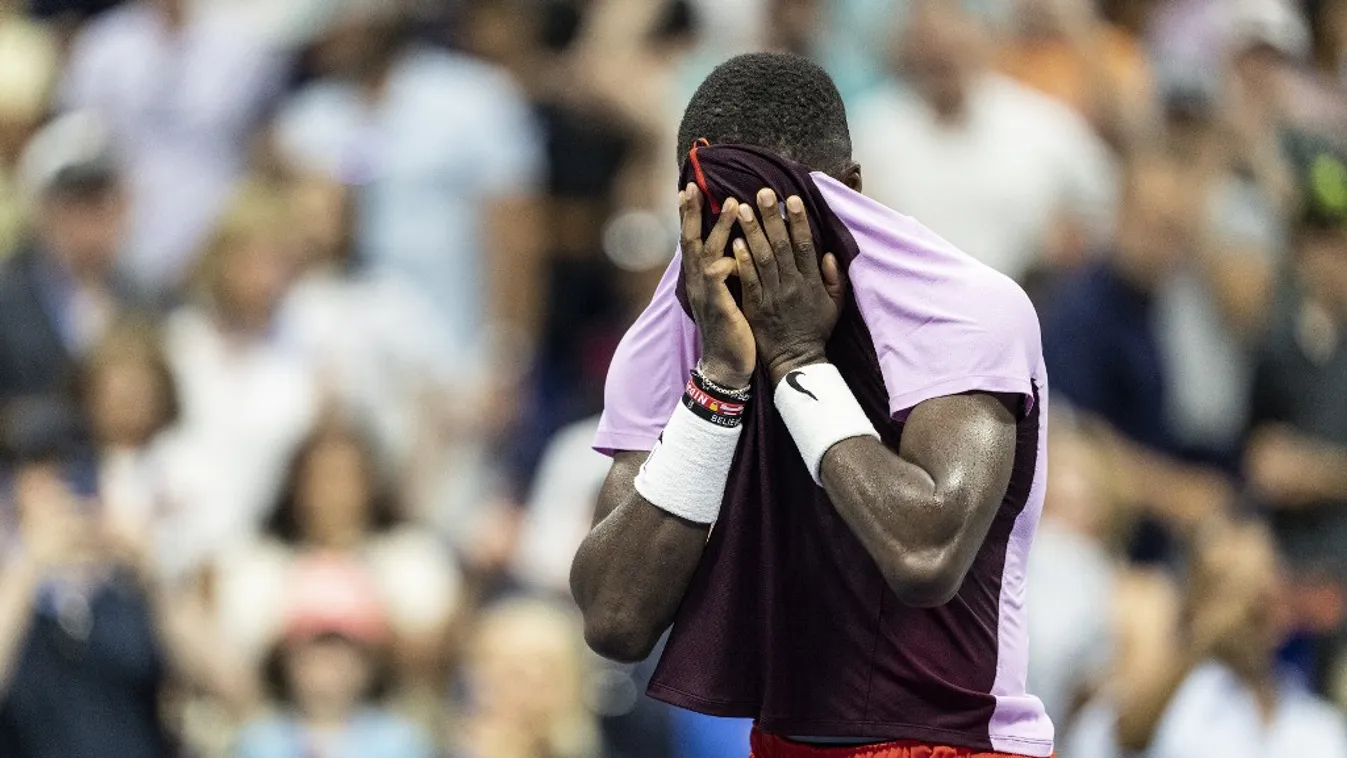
x=788 y=619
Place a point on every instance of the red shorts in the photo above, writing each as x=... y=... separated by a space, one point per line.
x=770 y=746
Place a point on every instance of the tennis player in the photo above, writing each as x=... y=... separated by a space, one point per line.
x=827 y=432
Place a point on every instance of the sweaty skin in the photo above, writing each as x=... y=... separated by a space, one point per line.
x=922 y=512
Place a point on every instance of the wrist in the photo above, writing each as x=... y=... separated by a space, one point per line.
x=779 y=368
x=724 y=376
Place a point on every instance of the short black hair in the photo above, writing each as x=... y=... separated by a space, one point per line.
x=783 y=102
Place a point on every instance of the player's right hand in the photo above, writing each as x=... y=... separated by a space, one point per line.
x=728 y=350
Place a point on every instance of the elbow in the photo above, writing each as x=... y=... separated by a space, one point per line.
x=927 y=578
x=619 y=636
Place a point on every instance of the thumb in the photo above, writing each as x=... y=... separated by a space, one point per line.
x=834 y=281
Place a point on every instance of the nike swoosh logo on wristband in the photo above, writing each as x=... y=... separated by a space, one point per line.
x=793 y=379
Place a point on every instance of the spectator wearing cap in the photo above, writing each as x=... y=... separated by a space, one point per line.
x=61 y=289
x=1296 y=460
x=1007 y=174
x=328 y=672
x=183 y=91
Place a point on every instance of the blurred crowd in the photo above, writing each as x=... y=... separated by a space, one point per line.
x=306 y=305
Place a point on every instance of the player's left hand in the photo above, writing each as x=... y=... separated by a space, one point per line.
x=791 y=298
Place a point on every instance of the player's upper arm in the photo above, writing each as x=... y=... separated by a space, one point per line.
x=966 y=443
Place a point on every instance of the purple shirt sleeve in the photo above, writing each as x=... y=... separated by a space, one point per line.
x=648 y=372
x=941 y=322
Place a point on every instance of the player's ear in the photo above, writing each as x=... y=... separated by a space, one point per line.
x=852 y=178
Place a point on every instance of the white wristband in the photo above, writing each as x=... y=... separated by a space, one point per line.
x=820 y=411
x=686 y=471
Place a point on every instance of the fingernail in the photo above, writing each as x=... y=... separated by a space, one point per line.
x=690 y=188
x=745 y=213
x=739 y=246
x=794 y=204
x=766 y=197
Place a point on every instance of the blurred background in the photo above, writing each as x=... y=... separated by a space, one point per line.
x=306 y=306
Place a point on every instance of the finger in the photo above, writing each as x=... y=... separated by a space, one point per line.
x=777 y=236
x=748 y=273
x=802 y=237
x=834 y=281
x=714 y=247
x=690 y=228
x=757 y=246
x=717 y=293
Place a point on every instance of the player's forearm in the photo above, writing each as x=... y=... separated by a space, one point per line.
x=899 y=513
x=630 y=574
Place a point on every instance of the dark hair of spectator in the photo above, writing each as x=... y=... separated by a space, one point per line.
x=284 y=523
x=782 y=102
x=278 y=685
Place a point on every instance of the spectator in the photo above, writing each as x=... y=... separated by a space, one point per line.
x=89 y=639
x=1102 y=346
x=183 y=93
x=371 y=335
x=446 y=156
x=1008 y=175
x=60 y=290
x=28 y=68
x=1221 y=693
x=1296 y=460
x=1063 y=49
x=247 y=399
x=444 y=153
x=1210 y=312
x=81 y=666
x=337 y=499
x=328 y=673
x=130 y=401
x=525 y=678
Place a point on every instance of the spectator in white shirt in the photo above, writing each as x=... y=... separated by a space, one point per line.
x=1221 y=693
x=183 y=93
x=447 y=157
x=372 y=335
x=1006 y=174
x=247 y=400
